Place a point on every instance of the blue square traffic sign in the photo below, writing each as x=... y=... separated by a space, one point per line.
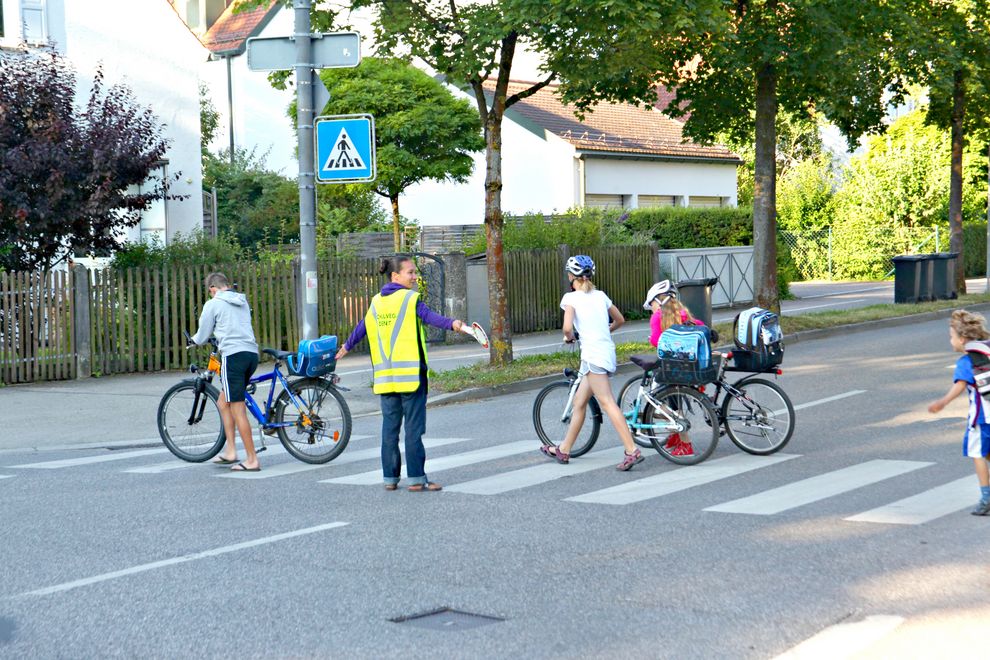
x=345 y=149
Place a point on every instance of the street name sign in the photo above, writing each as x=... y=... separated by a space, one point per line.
x=335 y=50
x=345 y=149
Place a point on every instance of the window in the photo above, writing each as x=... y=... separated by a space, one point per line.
x=603 y=201
x=652 y=201
x=154 y=220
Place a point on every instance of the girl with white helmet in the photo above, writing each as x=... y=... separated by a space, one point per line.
x=590 y=314
x=668 y=310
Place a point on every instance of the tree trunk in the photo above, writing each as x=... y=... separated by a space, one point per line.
x=396 y=237
x=955 y=177
x=500 y=349
x=765 y=192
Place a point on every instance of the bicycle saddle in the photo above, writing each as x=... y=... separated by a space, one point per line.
x=278 y=355
x=646 y=362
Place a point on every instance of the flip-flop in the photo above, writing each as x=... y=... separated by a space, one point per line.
x=244 y=469
x=224 y=461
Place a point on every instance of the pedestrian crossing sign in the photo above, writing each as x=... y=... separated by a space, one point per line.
x=345 y=149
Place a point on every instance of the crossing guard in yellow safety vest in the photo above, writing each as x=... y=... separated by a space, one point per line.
x=395 y=328
x=392 y=327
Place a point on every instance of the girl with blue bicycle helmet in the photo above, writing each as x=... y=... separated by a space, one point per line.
x=590 y=314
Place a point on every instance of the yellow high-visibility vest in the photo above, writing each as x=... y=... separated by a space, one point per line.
x=394 y=334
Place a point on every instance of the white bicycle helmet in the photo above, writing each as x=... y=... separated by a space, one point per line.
x=662 y=288
x=580 y=265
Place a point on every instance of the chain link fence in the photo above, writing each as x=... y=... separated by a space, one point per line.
x=827 y=254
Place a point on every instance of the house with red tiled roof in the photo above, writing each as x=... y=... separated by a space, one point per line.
x=144 y=45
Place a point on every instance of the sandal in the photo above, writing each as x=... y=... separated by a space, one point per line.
x=428 y=486
x=630 y=460
x=553 y=452
x=391 y=486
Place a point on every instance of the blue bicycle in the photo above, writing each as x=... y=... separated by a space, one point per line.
x=309 y=415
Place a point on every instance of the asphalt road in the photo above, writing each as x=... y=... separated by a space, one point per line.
x=854 y=541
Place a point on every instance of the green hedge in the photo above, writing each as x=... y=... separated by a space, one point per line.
x=674 y=228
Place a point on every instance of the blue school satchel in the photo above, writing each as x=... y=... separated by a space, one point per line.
x=759 y=340
x=685 y=354
x=315 y=358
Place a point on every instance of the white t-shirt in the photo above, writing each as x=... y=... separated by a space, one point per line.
x=591 y=321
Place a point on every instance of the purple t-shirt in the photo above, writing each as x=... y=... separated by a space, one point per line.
x=425 y=314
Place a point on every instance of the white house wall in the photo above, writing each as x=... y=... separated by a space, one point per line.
x=261 y=120
x=143 y=44
x=537 y=176
x=641 y=177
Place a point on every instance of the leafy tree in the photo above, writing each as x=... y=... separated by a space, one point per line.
x=757 y=58
x=422 y=131
x=949 y=54
x=260 y=207
x=68 y=172
x=209 y=120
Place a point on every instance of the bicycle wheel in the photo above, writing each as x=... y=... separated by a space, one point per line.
x=692 y=408
x=626 y=400
x=320 y=431
x=761 y=420
x=189 y=421
x=551 y=424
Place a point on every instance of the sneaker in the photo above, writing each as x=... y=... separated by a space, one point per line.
x=672 y=441
x=683 y=449
x=982 y=509
x=630 y=460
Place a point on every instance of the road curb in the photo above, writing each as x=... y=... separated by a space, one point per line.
x=529 y=384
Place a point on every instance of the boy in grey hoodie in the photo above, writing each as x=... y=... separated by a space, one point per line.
x=228 y=316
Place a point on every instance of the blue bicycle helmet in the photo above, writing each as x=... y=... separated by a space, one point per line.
x=580 y=265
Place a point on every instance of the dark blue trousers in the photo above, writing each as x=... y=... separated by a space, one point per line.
x=410 y=406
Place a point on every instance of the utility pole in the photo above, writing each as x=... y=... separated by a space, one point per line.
x=307 y=185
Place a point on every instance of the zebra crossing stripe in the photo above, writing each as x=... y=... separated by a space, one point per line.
x=829 y=399
x=444 y=463
x=89 y=460
x=816 y=488
x=678 y=480
x=5 y=476
x=843 y=640
x=295 y=467
x=923 y=507
x=537 y=474
x=178 y=464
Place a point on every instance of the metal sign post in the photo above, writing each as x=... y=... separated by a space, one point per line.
x=306 y=53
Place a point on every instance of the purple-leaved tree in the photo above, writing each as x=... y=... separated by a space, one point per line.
x=69 y=173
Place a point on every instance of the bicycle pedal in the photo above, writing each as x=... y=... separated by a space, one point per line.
x=258 y=450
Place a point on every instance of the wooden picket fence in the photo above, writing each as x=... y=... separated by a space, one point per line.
x=535 y=281
x=36 y=330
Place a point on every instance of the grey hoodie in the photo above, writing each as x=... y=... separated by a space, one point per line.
x=228 y=316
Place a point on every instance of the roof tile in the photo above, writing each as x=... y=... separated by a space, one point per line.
x=616 y=128
x=232 y=30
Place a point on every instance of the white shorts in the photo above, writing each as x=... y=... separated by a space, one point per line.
x=587 y=367
x=976 y=442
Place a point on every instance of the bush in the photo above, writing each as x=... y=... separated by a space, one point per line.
x=579 y=228
x=193 y=249
x=674 y=228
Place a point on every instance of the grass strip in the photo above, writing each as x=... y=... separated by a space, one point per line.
x=531 y=366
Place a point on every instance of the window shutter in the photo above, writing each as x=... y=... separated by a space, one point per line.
x=34 y=21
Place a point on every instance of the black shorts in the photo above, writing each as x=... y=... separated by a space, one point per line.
x=235 y=373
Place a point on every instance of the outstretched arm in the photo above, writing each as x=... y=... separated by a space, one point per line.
x=957 y=388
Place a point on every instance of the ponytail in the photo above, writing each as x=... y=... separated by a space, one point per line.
x=391 y=265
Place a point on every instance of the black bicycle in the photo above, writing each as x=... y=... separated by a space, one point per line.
x=754 y=412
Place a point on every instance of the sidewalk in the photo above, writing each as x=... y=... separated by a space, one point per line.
x=119 y=411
